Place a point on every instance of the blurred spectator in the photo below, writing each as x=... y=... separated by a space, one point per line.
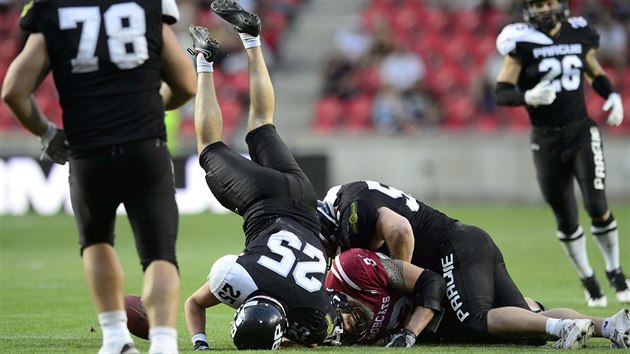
x=613 y=42
x=402 y=69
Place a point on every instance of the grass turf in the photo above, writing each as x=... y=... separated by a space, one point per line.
x=45 y=306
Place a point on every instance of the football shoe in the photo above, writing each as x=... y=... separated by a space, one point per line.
x=243 y=21
x=202 y=43
x=575 y=333
x=620 y=329
x=621 y=284
x=593 y=292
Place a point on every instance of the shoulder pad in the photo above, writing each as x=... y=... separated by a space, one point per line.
x=170 y=12
x=577 y=22
x=230 y=282
x=331 y=196
x=519 y=32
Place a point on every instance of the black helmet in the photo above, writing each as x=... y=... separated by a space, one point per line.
x=358 y=318
x=545 y=21
x=329 y=230
x=260 y=323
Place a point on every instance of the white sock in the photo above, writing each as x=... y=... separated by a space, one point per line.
x=606 y=328
x=114 y=327
x=163 y=340
x=554 y=326
x=607 y=238
x=249 y=41
x=204 y=66
x=575 y=247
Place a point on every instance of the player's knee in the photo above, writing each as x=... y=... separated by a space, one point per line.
x=476 y=323
x=149 y=256
x=597 y=210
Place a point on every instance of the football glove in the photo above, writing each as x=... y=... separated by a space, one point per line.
x=542 y=94
x=403 y=339
x=616 y=114
x=54 y=144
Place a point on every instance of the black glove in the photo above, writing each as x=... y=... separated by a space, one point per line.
x=403 y=339
x=54 y=144
x=201 y=345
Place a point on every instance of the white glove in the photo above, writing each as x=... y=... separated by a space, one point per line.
x=542 y=94
x=54 y=144
x=403 y=339
x=616 y=114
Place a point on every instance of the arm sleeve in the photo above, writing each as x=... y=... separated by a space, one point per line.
x=507 y=94
x=170 y=12
x=28 y=18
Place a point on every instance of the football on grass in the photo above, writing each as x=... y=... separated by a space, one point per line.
x=137 y=320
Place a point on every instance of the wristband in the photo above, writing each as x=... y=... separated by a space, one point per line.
x=204 y=66
x=602 y=86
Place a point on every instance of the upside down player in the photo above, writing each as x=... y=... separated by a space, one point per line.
x=545 y=63
x=108 y=59
x=277 y=283
x=379 y=288
x=482 y=301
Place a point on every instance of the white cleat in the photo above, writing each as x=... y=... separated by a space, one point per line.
x=624 y=295
x=575 y=333
x=620 y=331
x=595 y=302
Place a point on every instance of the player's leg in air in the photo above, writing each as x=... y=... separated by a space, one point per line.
x=262 y=98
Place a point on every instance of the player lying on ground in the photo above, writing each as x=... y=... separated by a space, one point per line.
x=481 y=299
x=276 y=283
x=380 y=289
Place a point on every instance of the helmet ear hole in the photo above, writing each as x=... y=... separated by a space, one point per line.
x=260 y=323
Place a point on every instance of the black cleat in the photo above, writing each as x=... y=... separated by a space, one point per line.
x=243 y=21
x=593 y=292
x=201 y=345
x=621 y=284
x=202 y=43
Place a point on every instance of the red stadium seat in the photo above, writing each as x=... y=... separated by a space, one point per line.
x=357 y=113
x=327 y=113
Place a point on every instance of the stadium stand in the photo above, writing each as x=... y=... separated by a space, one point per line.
x=457 y=46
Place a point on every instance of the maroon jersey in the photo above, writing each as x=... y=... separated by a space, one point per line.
x=359 y=274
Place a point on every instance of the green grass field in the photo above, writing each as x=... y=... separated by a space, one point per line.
x=45 y=306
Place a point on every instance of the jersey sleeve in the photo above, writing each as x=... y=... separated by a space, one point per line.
x=28 y=17
x=358 y=221
x=170 y=12
x=360 y=270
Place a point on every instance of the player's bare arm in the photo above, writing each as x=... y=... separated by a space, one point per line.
x=593 y=67
x=395 y=230
x=180 y=79
x=510 y=70
x=426 y=289
x=23 y=76
x=195 y=310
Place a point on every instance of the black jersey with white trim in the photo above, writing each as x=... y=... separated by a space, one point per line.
x=106 y=64
x=559 y=59
x=357 y=206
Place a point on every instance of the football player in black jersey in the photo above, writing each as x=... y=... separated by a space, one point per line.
x=108 y=59
x=546 y=62
x=277 y=282
x=482 y=301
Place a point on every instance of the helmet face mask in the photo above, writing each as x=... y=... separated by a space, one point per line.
x=352 y=318
x=260 y=323
x=545 y=20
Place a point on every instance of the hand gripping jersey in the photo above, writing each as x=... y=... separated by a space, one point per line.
x=559 y=59
x=105 y=59
x=287 y=268
x=359 y=274
x=356 y=205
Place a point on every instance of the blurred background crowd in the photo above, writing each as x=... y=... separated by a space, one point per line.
x=393 y=67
